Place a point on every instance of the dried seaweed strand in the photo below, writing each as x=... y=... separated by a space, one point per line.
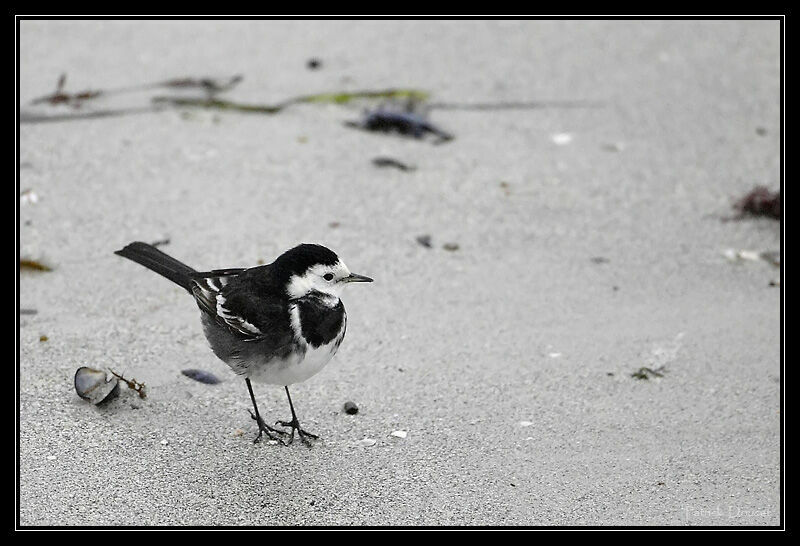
x=34 y=265
x=132 y=384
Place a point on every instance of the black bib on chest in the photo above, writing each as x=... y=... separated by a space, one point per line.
x=319 y=323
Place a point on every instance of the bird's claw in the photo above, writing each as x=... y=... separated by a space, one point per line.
x=295 y=425
x=264 y=428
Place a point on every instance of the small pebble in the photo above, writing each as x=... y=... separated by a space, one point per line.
x=366 y=442
x=164 y=442
x=350 y=408
x=525 y=423
x=749 y=255
x=561 y=139
x=730 y=254
x=51 y=457
x=400 y=433
x=29 y=197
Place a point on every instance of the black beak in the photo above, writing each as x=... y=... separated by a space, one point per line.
x=352 y=277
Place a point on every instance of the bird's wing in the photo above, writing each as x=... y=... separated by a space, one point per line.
x=249 y=315
x=207 y=287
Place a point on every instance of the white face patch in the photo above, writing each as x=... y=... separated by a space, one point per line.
x=314 y=280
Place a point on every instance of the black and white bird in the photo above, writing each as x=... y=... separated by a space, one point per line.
x=279 y=323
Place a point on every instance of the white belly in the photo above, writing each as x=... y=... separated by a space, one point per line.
x=293 y=370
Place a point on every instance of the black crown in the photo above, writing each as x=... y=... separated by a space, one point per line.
x=300 y=258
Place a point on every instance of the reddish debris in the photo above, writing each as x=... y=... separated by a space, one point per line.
x=760 y=201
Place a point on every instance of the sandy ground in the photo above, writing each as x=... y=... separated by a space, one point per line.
x=508 y=361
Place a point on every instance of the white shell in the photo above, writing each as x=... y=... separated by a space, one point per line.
x=92 y=385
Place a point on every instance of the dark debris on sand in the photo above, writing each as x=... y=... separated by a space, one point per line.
x=760 y=201
x=201 y=376
x=406 y=119
x=391 y=162
x=424 y=240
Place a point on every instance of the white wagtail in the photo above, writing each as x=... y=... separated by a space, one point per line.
x=279 y=323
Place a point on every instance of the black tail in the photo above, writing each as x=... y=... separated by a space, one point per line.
x=163 y=264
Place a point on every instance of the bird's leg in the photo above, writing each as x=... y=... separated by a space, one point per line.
x=262 y=426
x=295 y=424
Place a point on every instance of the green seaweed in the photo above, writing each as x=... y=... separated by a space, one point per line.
x=219 y=104
x=345 y=97
x=331 y=98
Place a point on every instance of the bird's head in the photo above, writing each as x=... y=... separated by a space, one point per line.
x=314 y=268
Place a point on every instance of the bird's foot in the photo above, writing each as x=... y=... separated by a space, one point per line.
x=264 y=428
x=295 y=425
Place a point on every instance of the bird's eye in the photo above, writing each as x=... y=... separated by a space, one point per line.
x=328 y=276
